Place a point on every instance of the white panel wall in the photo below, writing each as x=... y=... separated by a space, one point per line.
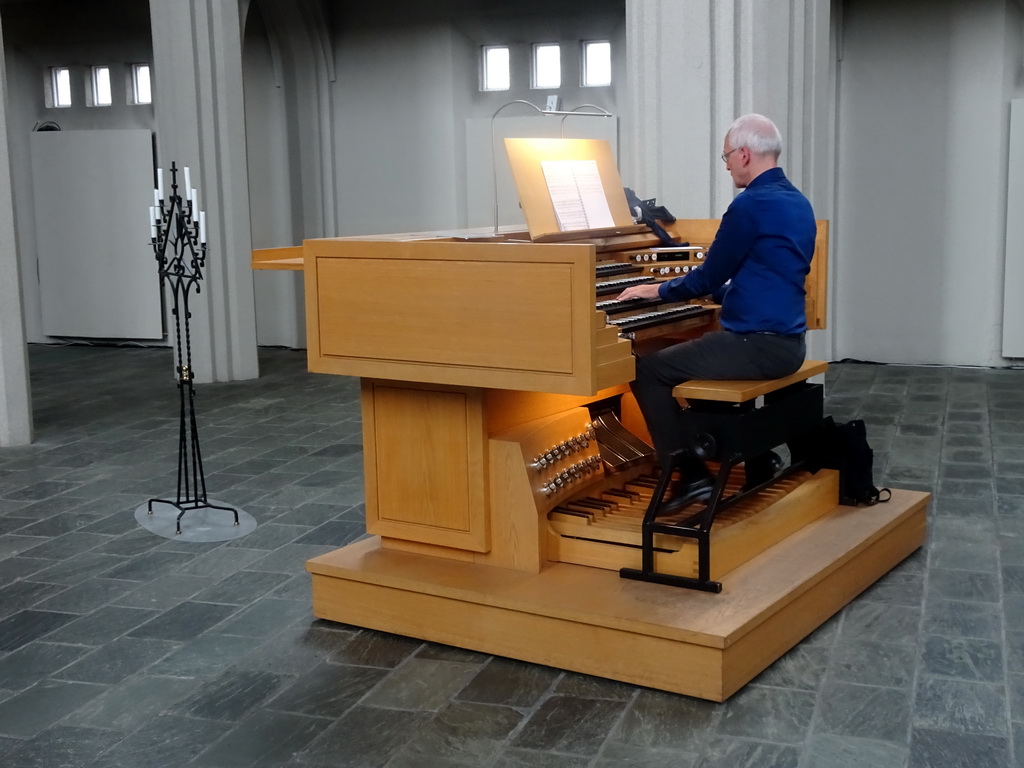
x=97 y=272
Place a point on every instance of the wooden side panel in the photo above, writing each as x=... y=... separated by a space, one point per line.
x=467 y=314
x=817 y=282
x=508 y=315
x=426 y=458
x=518 y=541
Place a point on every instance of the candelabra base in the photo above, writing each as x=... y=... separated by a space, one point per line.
x=190 y=504
x=207 y=521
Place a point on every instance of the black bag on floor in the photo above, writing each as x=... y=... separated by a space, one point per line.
x=843 y=447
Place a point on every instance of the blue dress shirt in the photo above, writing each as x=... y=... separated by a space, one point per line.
x=758 y=261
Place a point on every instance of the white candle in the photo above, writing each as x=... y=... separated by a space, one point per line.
x=194 y=198
x=188 y=179
x=160 y=183
x=202 y=226
x=156 y=198
x=152 y=214
x=152 y=230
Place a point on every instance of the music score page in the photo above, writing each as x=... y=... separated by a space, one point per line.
x=577 y=194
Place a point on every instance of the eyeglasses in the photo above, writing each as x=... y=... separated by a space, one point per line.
x=725 y=155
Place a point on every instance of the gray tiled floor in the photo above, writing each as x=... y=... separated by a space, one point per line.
x=120 y=648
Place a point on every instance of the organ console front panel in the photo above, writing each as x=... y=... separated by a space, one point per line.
x=431 y=323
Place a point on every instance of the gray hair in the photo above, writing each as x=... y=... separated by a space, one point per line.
x=757 y=133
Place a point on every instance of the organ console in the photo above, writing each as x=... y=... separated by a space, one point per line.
x=507 y=467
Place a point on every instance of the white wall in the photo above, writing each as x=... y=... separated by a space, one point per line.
x=921 y=181
x=93 y=197
x=395 y=120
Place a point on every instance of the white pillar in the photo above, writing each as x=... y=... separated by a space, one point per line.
x=694 y=66
x=15 y=400
x=200 y=117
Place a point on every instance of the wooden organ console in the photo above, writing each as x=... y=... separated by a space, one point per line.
x=507 y=471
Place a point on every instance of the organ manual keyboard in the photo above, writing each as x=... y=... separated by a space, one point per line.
x=507 y=467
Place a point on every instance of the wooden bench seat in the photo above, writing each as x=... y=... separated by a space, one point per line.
x=740 y=391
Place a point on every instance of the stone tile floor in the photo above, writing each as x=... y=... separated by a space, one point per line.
x=121 y=648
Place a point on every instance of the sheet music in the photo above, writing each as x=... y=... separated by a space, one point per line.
x=577 y=194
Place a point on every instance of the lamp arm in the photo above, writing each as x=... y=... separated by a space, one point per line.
x=494 y=154
x=601 y=112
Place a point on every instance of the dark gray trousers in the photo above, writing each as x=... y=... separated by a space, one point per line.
x=717 y=355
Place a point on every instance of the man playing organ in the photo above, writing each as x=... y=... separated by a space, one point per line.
x=755 y=269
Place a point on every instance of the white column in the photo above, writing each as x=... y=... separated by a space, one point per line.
x=200 y=117
x=670 y=118
x=301 y=203
x=15 y=400
x=301 y=36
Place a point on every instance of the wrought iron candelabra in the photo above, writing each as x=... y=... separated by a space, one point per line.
x=178 y=236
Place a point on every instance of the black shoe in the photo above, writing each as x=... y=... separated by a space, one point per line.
x=761 y=468
x=684 y=494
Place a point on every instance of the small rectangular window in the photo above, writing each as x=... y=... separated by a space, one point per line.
x=101 y=87
x=496 y=74
x=142 y=90
x=547 y=66
x=60 y=87
x=597 y=63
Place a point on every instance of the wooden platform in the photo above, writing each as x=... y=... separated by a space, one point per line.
x=591 y=621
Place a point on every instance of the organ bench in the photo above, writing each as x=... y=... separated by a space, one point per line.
x=507 y=476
